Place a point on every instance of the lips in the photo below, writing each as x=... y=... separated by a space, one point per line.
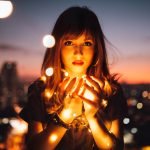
x=78 y=62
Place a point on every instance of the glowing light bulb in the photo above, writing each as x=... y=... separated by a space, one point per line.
x=66 y=113
x=43 y=78
x=6 y=8
x=48 y=41
x=19 y=125
x=53 y=138
x=74 y=114
x=66 y=74
x=47 y=93
x=104 y=103
x=89 y=130
x=49 y=71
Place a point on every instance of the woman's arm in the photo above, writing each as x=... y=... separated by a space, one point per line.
x=44 y=139
x=107 y=138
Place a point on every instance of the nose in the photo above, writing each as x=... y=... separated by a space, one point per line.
x=78 y=49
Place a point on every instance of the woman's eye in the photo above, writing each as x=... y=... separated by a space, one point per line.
x=68 y=43
x=87 y=43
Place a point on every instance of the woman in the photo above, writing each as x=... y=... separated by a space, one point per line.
x=83 y=110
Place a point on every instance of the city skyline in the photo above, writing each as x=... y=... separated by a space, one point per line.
x=125 y=24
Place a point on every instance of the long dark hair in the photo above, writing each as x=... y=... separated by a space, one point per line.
x=75 y=21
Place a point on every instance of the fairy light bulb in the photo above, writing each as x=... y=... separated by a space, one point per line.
x=49 y=71
x=48 y=41
x=53 y=137
x=43 y=78
x=47 y=93
x=66 y=74
x=104 y=103
x=66 y=113
x=89 y=130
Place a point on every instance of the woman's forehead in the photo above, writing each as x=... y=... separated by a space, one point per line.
x=87 y=36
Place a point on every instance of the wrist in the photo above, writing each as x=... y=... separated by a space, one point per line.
x=56 y=120
x=66 y=115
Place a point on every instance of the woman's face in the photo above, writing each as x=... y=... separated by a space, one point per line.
x=77 y=54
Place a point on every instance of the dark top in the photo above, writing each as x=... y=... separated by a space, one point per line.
x=79 y=136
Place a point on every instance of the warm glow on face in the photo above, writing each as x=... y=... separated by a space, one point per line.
x=6 y=8
x=49 y=71
x=48 y=41
x=53 y=137
x=77 y=54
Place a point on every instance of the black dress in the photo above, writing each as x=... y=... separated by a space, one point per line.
x=79 y=136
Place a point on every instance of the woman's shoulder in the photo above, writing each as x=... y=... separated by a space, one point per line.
x=37 y=85
x=117 y=105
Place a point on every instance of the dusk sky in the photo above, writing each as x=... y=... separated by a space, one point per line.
x=126 y=24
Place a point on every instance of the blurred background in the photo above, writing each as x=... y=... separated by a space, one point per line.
x=23 y=24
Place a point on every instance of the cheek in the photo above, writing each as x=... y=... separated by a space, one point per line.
x=89 y=56
x=65 y=56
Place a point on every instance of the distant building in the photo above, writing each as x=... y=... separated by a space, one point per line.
x=11 y=89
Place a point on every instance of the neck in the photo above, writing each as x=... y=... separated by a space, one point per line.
x=74 y=74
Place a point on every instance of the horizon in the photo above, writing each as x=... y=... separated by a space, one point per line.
x=31 y=77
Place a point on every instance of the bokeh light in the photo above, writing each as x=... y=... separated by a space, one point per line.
x=145 y=94
x=134 y=130
x=6 y=8
x=126 y=120
x=48 y=41
x=49 y=71
x=139 y=105
x=53 y=138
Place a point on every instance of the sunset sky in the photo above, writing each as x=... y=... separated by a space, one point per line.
x=126 y=25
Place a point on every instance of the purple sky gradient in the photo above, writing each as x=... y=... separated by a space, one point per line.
x=126 y=25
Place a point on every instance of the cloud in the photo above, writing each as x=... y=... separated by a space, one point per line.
x=14 y=48
x=8 y=47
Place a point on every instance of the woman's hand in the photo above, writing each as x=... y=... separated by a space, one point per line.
x=72 y=105
x=90 y=93
x=78 y=92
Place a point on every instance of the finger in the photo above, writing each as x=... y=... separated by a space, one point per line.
x=91 y=103
x=90 y=90
x=64 y=83
x=71 y=85
x=101 y=84
x=62 y=86
x=78 y=86
x=93 y=83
